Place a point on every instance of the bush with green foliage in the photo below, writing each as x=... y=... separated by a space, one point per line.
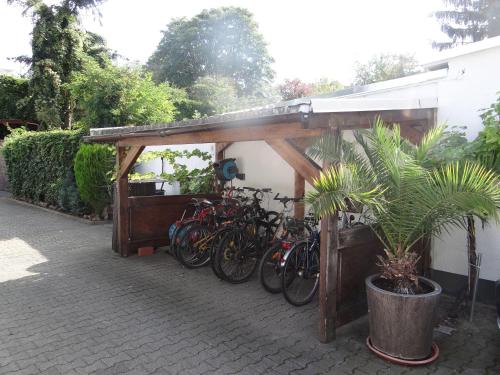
x=14 y=98
x=69 y=197
x=38 y=164
x=486 y=147
x=94 y=166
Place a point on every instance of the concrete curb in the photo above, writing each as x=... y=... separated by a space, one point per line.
x=63 y=214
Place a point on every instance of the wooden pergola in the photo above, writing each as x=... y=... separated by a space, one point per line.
x=286 y=128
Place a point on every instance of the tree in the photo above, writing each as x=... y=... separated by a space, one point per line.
x=325 y=86
x=14 y=98
x=114 y=96
x=58 y=45
x=294 y=88
x=217 y=42
x=465 y=21
x=214 y=95
x=383 y=67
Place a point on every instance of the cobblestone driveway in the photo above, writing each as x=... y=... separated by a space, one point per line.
x=69 y=305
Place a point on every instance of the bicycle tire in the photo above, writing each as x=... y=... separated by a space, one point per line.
x=178 y=234
x=218 y=237
x=235 y=259
x=194 y=250
x=270 y=269
x=296 y=262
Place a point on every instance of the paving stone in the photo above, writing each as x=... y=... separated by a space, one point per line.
x=71 y=306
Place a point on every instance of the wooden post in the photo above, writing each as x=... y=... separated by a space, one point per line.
x=328 y=281
x=328 y=278
x=299 y=191
x=122 y=232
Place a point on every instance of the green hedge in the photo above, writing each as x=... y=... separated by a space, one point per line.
x=94 y=167
x=40 y=167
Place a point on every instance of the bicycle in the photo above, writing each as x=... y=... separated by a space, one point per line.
x=237 y=254
x=289 y=230
x=300 y=273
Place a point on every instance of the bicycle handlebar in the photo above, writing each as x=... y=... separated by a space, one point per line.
x=284 y=200
x=263 y=190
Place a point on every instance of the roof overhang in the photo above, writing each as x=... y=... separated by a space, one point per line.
x=293 y=119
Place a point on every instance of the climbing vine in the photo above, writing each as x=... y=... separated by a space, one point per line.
x=197 y=180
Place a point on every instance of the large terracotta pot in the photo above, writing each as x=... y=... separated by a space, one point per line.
x=401 y=325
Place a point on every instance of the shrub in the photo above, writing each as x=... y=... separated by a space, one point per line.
x=38 y=164
x=69 y=197
x=93 y=166
x=486 y=146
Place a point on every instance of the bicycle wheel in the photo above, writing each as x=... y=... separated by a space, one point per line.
x=270 y=268
x=178 y=235
x=194 y=249
x=218 y=237
x=300 y=274
x=237 y=256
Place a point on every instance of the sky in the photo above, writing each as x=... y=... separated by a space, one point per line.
x=309 y=40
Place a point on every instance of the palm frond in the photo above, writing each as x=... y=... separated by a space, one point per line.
x=429 y=140
x=327 y=147
x=340 y=186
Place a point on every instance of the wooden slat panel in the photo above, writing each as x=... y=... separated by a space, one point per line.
x=151 y=216
x=297 y=160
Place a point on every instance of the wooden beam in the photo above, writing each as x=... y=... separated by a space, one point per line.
x=365 y=119
x=251 y=133
x=122 y=204
x=304 y=166
x=133 y=153
x=219 y=147
x=329 y=270
x=299 y=191
x=299 y=181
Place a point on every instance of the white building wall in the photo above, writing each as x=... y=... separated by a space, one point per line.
x=470 y=86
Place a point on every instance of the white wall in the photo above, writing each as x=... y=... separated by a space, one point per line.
x=192 y=163
x=263 y=168
x=470 y=85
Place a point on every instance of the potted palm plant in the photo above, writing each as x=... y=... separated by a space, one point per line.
x=409 y=200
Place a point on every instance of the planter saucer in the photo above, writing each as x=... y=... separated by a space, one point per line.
x=405 y=362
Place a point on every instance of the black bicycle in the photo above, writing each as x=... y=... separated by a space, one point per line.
x=300 y=273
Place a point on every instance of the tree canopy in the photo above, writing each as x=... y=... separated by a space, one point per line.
x=295 y=88
x=465 y=21
x=383 y=67
x=58 y=47
x=218 y=42
x=112 y=96
x=14 y=98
